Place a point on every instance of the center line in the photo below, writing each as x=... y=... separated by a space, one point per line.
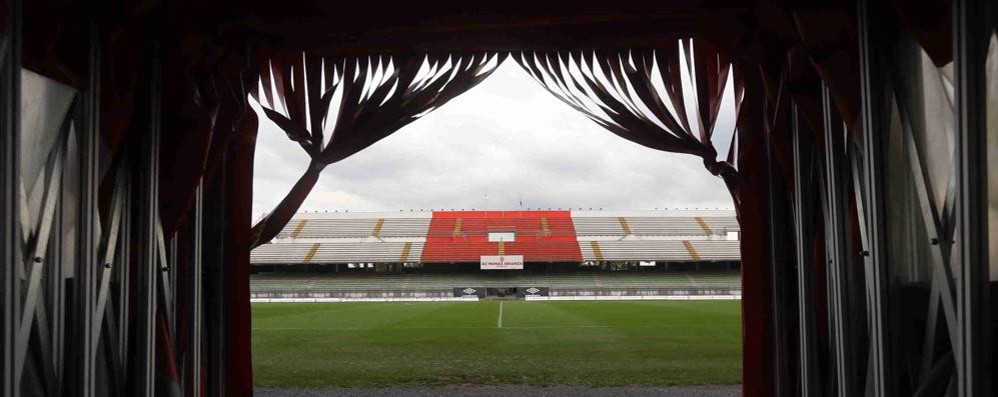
x=499 y=322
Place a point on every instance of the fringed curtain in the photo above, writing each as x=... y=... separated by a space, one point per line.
x=334 y=107
x=669 y=99
x=646 y=96
x=207 y=125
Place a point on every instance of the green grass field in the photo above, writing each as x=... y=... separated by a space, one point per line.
x=461 y=343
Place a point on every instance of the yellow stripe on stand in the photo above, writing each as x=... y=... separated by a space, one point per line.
x=624 y=225
x=544 y=226
x=693 y=252
x=703 y=225
x=502 y=248
x=311 y=252
x=377 y=228
x=596 y=250
x=405 y=252
x=301 y=225
x=457 y=227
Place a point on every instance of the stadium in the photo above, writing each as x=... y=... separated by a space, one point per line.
x=860 y=257
x=534 y=254
x=480 y=295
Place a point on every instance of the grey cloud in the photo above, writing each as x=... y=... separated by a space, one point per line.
x=506 y=138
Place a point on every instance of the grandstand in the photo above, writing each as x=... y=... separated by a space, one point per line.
x=434 y=254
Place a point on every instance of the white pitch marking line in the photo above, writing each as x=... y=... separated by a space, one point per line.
x=472 y=327
x=499 y=322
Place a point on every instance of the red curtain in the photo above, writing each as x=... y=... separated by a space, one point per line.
x=378 y=96
x=647 y=96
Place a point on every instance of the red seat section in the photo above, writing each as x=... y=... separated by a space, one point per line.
x=463 y=236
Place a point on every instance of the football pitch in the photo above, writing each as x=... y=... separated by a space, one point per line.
x=607 y=343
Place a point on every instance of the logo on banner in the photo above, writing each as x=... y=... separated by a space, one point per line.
x=532 y=291
x=502 y=262
x=469 y=292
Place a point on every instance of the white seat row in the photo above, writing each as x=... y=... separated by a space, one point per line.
x=660 y=250
x=333 y=252
x=654 y=226
x=332 y=228
x=597 y=226
x=717 y=250
x=405 y=227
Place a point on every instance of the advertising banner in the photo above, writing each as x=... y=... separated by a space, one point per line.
x=502 y=262
x=467 y=292
x=532 y=291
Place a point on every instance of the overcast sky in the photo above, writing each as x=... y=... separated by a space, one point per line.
x=507 y=138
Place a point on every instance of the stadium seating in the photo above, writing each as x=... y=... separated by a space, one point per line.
x=717 y=250
x=268 y=254
x=475 y=225
x=540 y=236
x=598 y=226
x=405 y=227
x=532 y=251
x=723 y=224
x=662 y=226
x=329 y=228
x=660 y=250
x=357 y=225
x=337 y=252
x=462 y=236
x=654 y=225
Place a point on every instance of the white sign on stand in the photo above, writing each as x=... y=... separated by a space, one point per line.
x=502 y=262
